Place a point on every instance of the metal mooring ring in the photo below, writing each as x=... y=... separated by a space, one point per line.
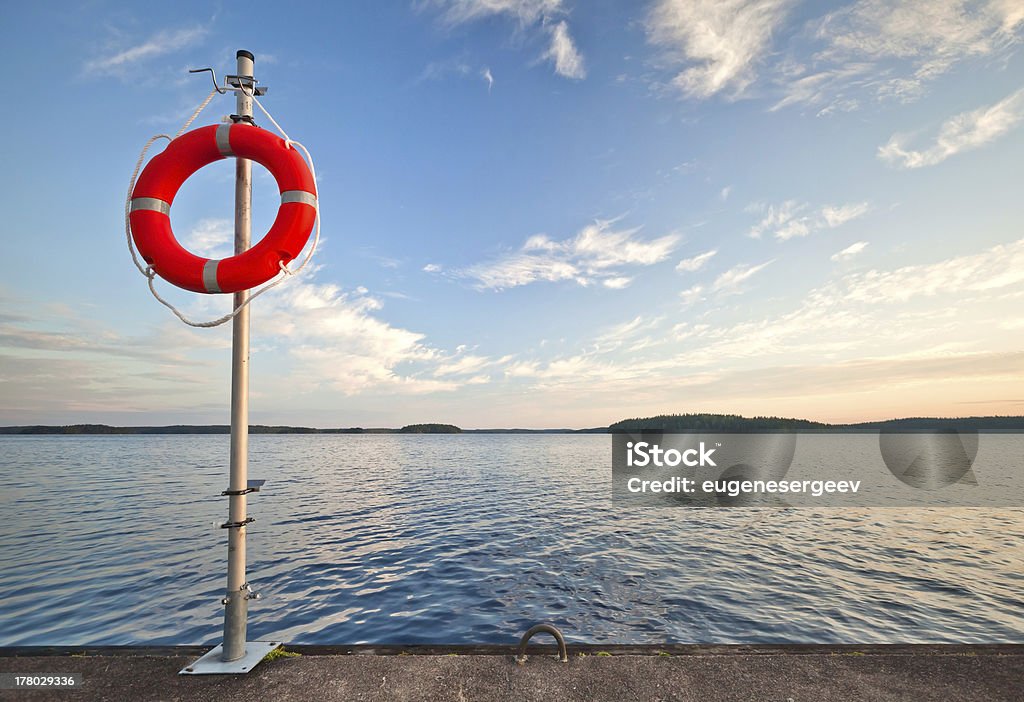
x=563 y=654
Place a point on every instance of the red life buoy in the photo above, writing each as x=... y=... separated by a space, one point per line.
x=163 y=176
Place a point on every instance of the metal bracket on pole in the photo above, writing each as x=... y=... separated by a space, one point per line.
x=253 y=486
x=233 y=83
x=235 y=654
x=247 y=82
x=238 y=524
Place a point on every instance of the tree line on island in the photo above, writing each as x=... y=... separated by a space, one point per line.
x=224 y=429
x=678 y=423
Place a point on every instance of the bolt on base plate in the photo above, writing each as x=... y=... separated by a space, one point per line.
x=212 y=664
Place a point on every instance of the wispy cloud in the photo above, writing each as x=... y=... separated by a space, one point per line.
x=567 y=59
x=963 y=132
x=828 y=87
x=548 y=15
x=161 y=43
x=597 y=254
x=928 y=325
x=838 y=215
x=882 y=50
x=718 y=43
x=832 y=318
x=455 y=67
x=732 y=280
x=617 y=283
x=695 y=263
x=526 y=11
x=932 y=33
x=996 y=268
x=792 y=218
x=439 y=70
x=850 y=251
x=692 y=295
x=635 y=334
x=463 y=364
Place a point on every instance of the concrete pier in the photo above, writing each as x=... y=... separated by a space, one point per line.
x=902 y=672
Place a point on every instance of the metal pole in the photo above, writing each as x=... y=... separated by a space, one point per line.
x=237 y=608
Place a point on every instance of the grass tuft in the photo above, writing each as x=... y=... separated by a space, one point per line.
x=280 y=652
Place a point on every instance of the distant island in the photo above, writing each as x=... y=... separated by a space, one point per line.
x=430 y=429
x=736 y=424
x=680 y=423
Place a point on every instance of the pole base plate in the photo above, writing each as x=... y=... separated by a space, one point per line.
x=211 y=664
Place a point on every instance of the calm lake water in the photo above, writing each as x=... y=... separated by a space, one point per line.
x=466 y=539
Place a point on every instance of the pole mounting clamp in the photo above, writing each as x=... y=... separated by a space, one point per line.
x=251 y=486
x=236 y=525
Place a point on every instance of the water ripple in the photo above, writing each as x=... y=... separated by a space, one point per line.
x=466 y=539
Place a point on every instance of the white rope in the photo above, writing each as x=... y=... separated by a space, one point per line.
x=128 y=204
x=148 y=271
x=202 y=106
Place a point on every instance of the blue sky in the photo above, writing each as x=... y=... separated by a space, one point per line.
x=536 y=213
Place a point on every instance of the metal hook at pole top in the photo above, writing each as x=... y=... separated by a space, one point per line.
x=213 y=76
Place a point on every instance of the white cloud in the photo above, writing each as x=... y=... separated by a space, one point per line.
x=695 y=263
x=931 y=342
x=564 y=54
x=432 y=268
x=339 y=343
x=934 y=33
x=692 y=295
x=595 y=254
x=526 y=11
x=617 y=283
x=724 y=194
x=632 y=336
x=732 y=279
x=837 y=215
x=893 y=50
x=776 y=217
x=720 y=42
x=963 y=132
x=463 y=365
x=486 y=75
x=822 y=87
x=792 y=219
x=996 y=268
x=832 y=318
x=163 y=42
x=211 y=238
x=547 y=14
x=850 y=251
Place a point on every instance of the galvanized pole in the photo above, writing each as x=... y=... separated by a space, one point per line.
x=237 y=607
x=235 y=654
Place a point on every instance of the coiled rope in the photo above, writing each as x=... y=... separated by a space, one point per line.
x=148 y=271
